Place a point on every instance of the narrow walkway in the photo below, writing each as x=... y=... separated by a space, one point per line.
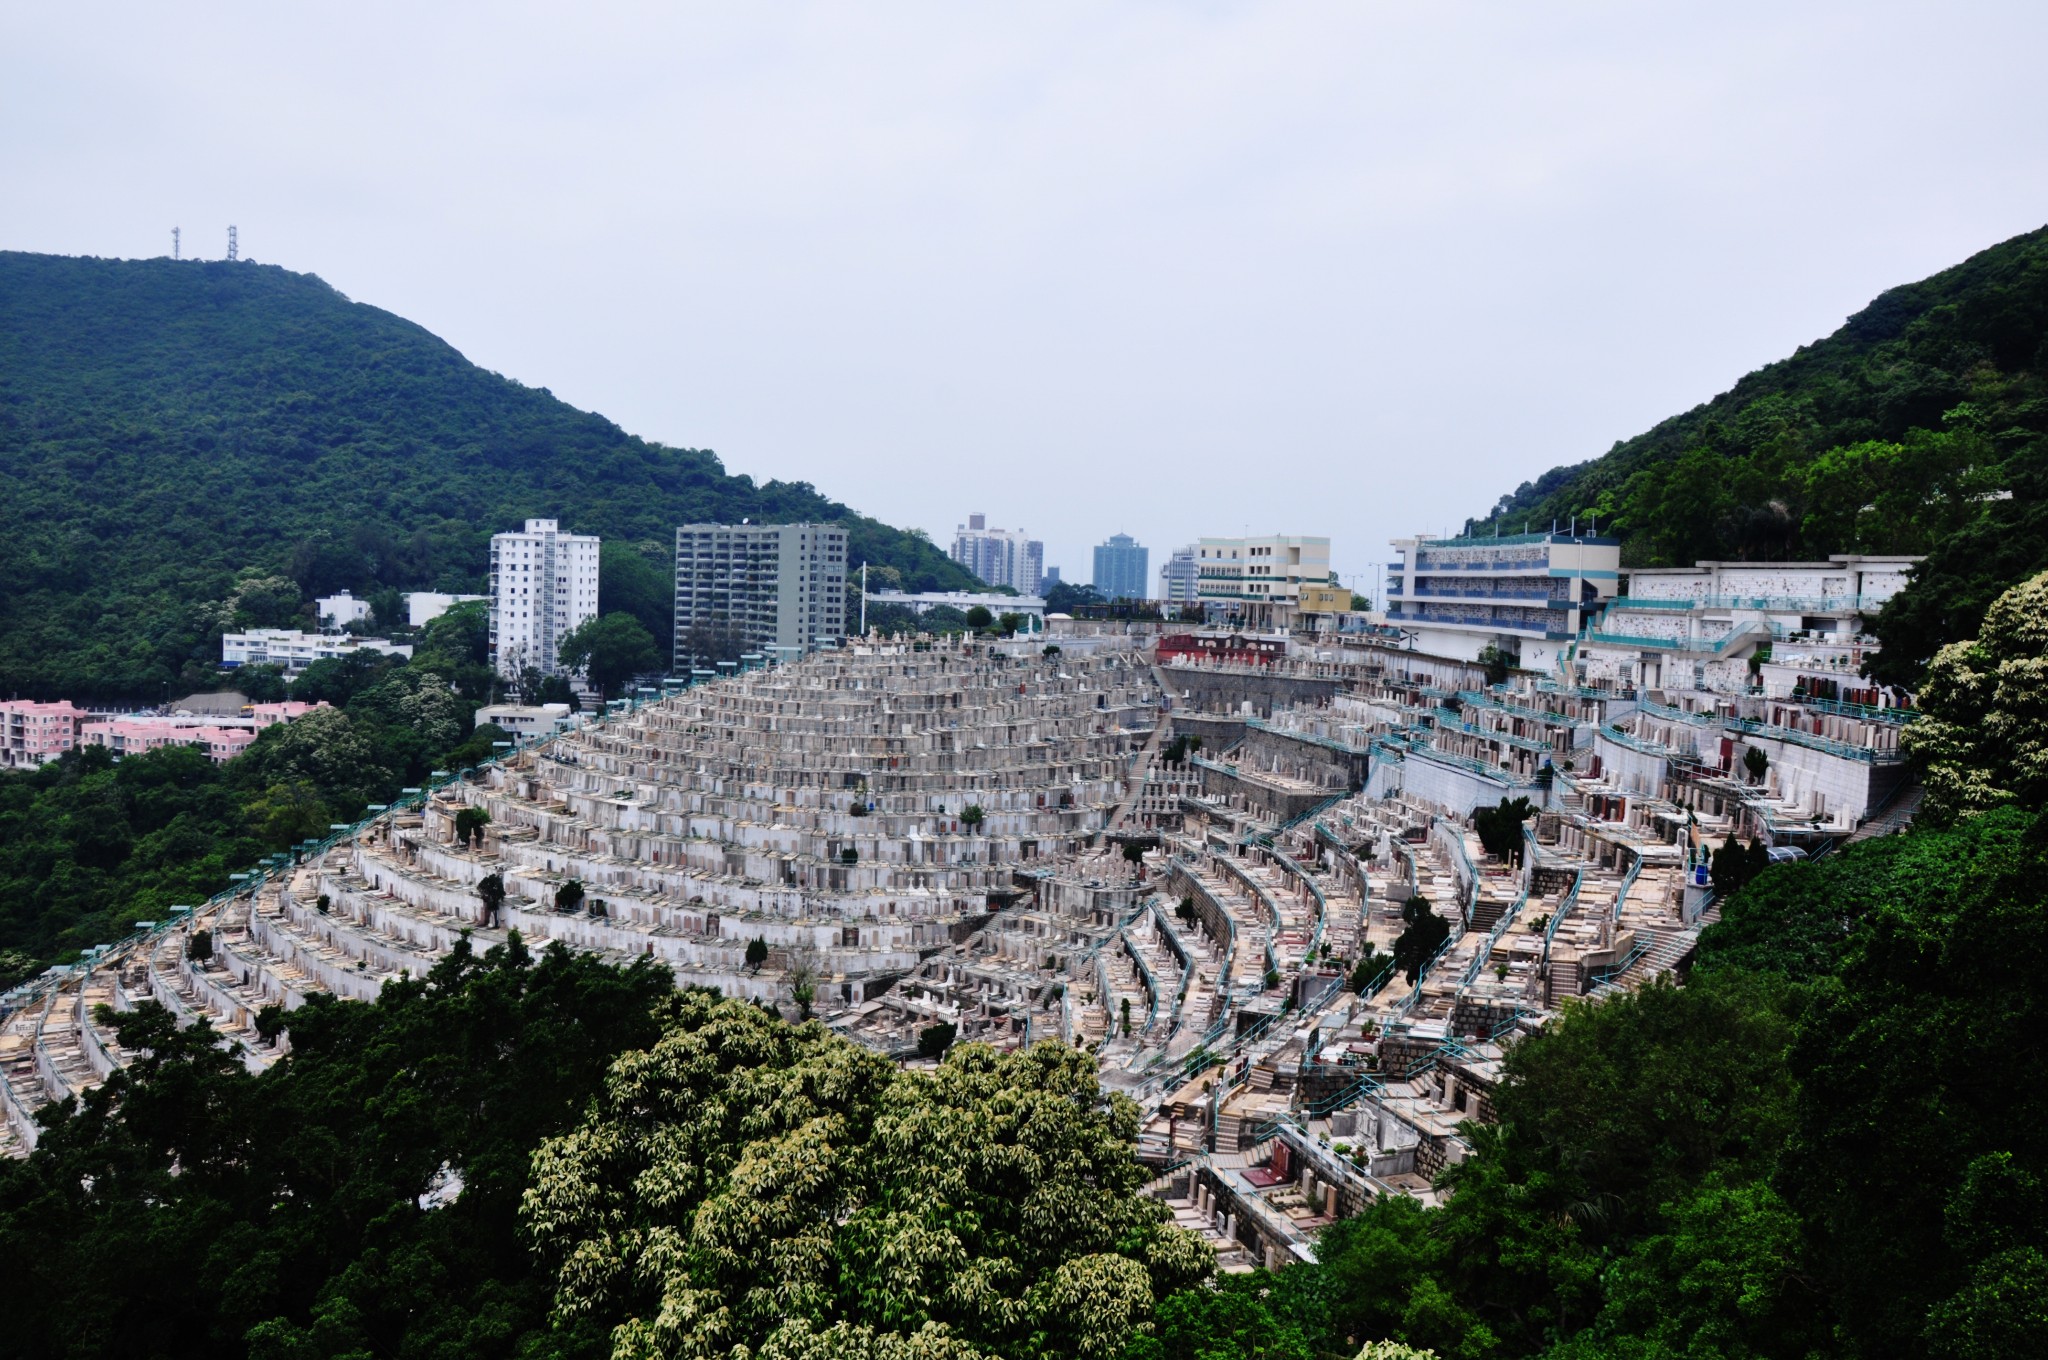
x=1905 y=805
x=1140 y=767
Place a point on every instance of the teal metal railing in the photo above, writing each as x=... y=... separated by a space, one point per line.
x=1456 y=722
x=1628 y=882
x=1657 y=710
x=1507 y=919
x=1803 y=604
x=1564 y=909
x=1870 y=712
x=1505 y=778
x=1615 y=970
x=1815 y=742
x=1642 y=745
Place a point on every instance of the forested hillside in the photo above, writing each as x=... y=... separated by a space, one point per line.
x=90 y=845
x=1920 y=426
x=167 y=426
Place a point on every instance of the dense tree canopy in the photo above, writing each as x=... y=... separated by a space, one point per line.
x=1982 y=737
x=1067 y=597
x=609 y=651
x=638 y=579
x=750 y=1184
x=358 y=1199
x=1922 y=1138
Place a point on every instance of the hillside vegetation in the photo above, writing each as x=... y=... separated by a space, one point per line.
x=90 y=845
x=1920 y=426
x=172 y=433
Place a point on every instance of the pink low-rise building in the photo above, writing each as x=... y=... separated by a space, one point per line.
x=270 y=715
x=32 y=733
x=134 y=736
x=225 y=743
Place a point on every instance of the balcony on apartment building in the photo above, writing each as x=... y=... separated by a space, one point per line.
x=1531 y=622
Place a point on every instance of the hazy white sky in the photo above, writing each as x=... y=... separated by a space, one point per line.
x=1342 y=268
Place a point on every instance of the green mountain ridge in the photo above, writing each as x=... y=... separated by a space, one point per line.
x=1921 y=425
x=166 y=426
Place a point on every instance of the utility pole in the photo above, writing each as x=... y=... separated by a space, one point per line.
x=863 y=599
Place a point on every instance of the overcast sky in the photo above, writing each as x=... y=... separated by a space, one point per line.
x=1350 y=269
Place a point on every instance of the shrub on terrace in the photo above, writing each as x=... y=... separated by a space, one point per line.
x=1500 y=829
x=1417 y=945
x=934 y=1040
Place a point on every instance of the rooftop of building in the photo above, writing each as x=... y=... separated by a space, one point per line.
x=1508 y=540
x=300 y=636
x=1836 y=560
x=747 y=525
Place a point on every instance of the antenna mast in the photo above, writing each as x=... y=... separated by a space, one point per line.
x=233 y=253
x=174 y=244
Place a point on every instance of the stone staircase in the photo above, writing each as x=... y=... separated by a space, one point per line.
x=1668 y=950
x=1896 y=816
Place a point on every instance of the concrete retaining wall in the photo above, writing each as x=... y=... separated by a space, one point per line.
x=1228 y=692
x=1454 y=787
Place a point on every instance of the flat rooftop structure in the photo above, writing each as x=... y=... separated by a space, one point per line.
x=995 y=602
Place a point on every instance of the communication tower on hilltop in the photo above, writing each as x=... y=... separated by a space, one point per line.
x=232 y=255
x=174 y=243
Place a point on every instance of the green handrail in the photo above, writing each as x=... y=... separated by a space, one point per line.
x=1564 y=909
x=1814 y=741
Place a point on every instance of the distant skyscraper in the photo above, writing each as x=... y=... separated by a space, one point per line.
x=543 y=584
x=999 y=556
x=1121 y=568
x=1048 y=578
x=1177 y=577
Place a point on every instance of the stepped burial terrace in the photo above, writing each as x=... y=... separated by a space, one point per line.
x=1193 y=860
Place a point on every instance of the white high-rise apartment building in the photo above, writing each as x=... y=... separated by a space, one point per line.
x=543 y=585
x=777 y=586
x=1000 y=557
